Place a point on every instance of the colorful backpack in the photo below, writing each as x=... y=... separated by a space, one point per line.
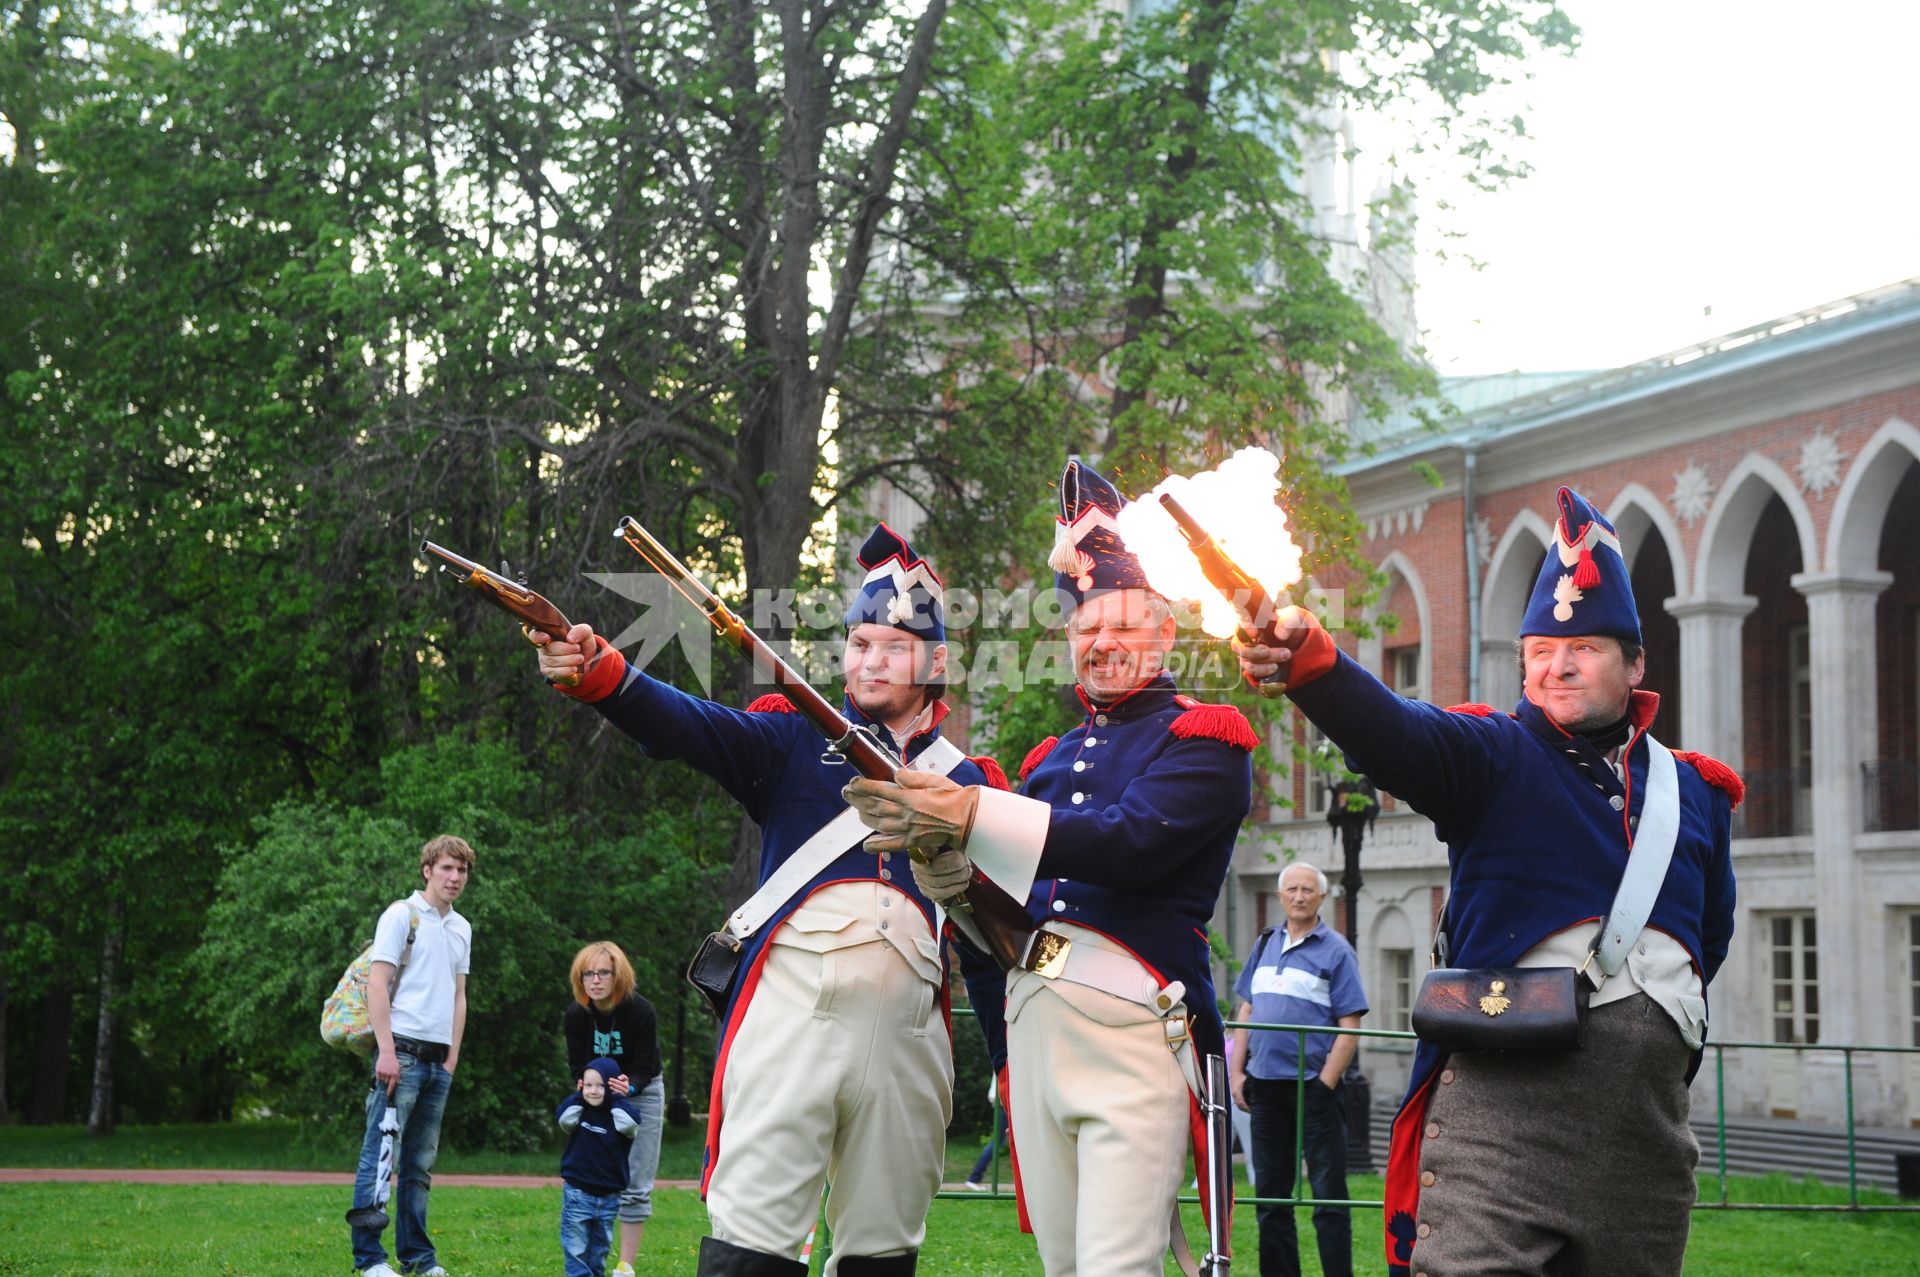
x=345 y=1021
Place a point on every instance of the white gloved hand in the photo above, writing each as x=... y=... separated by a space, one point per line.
x=944 y=875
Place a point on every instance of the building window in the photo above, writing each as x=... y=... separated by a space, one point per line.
x=1404 y=665
x=1800 y=726
x=1913 y=975
x=1793 y=969
x=1396 y=987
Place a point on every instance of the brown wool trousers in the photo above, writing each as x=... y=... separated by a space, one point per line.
x=1562 y=1165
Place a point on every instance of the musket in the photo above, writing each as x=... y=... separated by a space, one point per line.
x=992 y=919
x=510 y=595
x=1256 y=607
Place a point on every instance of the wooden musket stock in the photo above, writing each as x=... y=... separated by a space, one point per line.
x=529 y=607
x=991 y=916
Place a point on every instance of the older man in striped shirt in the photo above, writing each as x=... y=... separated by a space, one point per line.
x=1304 y=973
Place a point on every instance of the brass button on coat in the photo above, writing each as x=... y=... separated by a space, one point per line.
x=1425 y=1230
x=1426 y=1179
x=1433 y=1130
x=1446 y=1076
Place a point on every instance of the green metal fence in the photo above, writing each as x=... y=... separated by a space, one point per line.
x=1847 y=1051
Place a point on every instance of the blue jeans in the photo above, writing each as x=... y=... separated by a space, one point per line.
x=586 y=1230
x=643 y=1158
x=1274 y=1169
x=996 y=1142
x=420 y=1100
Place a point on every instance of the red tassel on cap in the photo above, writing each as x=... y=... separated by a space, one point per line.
x=772 y=703
x=1587 y=574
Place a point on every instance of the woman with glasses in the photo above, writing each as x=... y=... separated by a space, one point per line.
x=607 y=1018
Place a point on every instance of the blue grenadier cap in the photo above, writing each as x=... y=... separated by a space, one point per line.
x=1583 y=587
x=900 y=589
x=1089 y=556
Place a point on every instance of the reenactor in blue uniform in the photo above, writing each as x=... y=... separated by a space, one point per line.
x=1120 y=844
x=1578 y=1161
x=834 y=1061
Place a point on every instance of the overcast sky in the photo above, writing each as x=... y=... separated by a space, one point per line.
x=1757 y=158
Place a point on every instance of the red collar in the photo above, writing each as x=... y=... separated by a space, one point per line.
x=1095 y=707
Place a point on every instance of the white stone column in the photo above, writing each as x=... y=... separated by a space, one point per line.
x=1842 y=655
x=1710 y=652
x=1499 y=674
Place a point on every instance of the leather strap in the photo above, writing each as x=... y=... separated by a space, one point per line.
x=1647 y=862
x=1646 y=865
x=827 y=844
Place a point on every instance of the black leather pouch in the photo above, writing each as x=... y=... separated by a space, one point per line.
x=1502 y=1009
x=712 y=969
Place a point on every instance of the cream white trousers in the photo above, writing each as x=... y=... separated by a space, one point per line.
x=841 y=1072
x=1100 y=1113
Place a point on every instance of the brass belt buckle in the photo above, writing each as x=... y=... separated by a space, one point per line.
x=1047 y=955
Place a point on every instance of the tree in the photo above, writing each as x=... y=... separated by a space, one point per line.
x=312 y=280
x=1119 y=243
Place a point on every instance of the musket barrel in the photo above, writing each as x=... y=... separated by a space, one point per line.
x=1189 y=526
x=449 y=557
x=1256 y=606
x=1001 y=920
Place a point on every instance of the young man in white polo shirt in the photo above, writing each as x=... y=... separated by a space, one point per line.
x=417 y=1000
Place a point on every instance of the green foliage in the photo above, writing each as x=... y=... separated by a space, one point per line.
x=298 y=901
x=292 y=285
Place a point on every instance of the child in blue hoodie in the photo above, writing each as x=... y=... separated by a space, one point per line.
x=594 y=1167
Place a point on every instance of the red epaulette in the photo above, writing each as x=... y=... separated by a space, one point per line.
x=772 y=703
x=1474 y=708
x=1716 y=773
x=1213 y=722
x=995 y=777
x=1037 y=755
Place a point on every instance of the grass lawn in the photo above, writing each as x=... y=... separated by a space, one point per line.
x=284 y=1146
x=83 y=1230
x=240 y=1230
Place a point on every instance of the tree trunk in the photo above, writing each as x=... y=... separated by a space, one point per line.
x=50 y=1056
x=100 y=1113
x=6 y=1114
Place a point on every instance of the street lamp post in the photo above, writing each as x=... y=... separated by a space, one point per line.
x=1355 y=804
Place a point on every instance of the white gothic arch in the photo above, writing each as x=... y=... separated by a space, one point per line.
x=1860 y=511
x=1634 y=513
x=1510 y=576
x=1397 y=564
x=1727 y=535
x=1511 y=572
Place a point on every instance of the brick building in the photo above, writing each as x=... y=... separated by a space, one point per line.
x=1766 y=486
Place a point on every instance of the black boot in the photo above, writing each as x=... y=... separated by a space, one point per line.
x=879 y=1265
x=724 y=1259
